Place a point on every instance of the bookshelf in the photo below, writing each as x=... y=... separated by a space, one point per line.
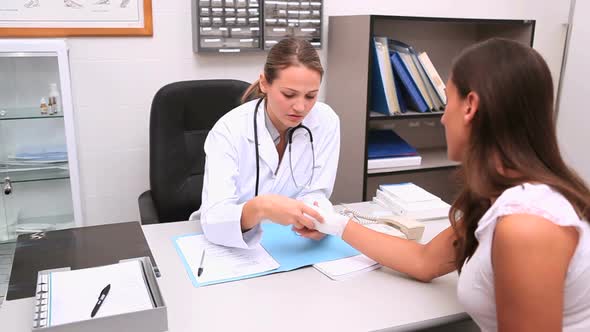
x=348 y=91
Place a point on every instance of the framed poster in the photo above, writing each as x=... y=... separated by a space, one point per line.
x=60 y=18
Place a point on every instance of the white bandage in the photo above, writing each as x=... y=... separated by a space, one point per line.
x=334 y=223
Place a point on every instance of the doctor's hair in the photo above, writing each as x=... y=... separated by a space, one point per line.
x=286 y=53
x=513 y=131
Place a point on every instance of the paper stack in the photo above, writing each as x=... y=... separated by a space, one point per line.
x=409 y=200
x=347 y=267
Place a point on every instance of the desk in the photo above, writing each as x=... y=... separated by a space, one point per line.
x=289 y=301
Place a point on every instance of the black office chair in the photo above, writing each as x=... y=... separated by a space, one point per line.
x=181 y=116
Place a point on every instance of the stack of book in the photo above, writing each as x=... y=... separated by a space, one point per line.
x=403 y=79
x=388 y=150
x=409 y=200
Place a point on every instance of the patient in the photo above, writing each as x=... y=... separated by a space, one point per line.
x=519 y=234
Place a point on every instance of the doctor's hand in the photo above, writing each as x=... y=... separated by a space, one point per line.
x=287 y=211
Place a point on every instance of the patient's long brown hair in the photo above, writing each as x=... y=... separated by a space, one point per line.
x=514 y=125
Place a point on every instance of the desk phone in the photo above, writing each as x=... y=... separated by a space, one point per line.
x=410 y=228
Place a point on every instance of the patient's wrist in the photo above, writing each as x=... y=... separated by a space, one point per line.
x=340 y=222
x=349 y=225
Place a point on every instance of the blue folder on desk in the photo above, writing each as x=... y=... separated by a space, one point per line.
x=290 y=250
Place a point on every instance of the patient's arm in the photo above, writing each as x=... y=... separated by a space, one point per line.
x=421 y=261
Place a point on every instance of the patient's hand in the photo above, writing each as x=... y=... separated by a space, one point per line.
x=334 y=223
x=309 y=233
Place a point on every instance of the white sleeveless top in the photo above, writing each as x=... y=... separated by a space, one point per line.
x=476 y=282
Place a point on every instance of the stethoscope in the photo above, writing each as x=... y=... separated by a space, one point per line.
x=290 y=140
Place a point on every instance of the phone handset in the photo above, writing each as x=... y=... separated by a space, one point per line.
x=411 y=228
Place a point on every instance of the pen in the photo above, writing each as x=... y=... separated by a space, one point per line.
x=101 y=297
x=200 y=271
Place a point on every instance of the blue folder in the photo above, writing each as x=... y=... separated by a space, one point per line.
x=416 y=98
x=290 y=250
x=399 y=46
x=378 y=98
x=378 y=89
x=387 y=144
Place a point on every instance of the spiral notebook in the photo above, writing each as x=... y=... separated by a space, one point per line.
x=65 y=296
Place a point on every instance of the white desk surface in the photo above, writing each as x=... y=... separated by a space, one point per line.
x=298 y=300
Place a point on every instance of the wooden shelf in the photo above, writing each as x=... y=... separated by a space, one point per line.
x=431 y=159
x=375 y=116
x=351 y=99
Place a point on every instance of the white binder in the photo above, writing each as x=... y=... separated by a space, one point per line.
x=152 y=318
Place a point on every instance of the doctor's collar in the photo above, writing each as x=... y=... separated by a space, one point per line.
x=272 y=130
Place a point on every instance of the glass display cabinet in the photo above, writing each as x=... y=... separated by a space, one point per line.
x=39 y=176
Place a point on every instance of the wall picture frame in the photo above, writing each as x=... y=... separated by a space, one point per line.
x=66 y=18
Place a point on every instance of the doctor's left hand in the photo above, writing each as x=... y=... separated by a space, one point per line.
x=288 y=211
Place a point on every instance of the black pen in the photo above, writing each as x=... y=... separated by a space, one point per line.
x=101 y=297
x=200 y=270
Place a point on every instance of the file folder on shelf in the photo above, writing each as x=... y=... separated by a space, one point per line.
x=433 y=76
x=386 y=96
x=418 y=72
x=151 y=318
x=387 y=144
x=415 y=96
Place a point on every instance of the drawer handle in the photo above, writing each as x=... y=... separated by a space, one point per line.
x=7 y=186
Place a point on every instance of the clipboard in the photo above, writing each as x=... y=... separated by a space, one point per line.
x=149 y=320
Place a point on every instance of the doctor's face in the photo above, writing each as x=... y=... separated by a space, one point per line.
x=291 y=95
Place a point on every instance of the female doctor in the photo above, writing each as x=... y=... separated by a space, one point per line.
x=268 y=156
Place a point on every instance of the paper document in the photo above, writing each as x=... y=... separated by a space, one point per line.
x=73 y=294
x=280 y=250
x=347 y=267
x=223 y=263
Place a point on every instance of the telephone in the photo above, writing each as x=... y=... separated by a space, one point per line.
x=410 y=228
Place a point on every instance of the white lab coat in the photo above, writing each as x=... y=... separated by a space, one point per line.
x=230 y=169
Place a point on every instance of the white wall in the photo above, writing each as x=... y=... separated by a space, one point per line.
x=114 y=80
x=572 y=123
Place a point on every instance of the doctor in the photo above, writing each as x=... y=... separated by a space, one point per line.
x=267 y=157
